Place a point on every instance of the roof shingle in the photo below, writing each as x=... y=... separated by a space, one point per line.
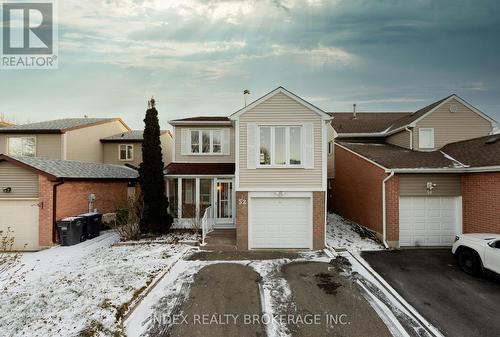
x=365 y=122
x=134 y=135
x=477 y=152
x=56 y=126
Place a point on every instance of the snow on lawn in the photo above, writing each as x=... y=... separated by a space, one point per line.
x=64 y=290
x=344 y=234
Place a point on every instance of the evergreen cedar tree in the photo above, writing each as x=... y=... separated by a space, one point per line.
x=155 y=218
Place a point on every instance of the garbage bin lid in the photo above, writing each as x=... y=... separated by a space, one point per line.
x=71 y=218
x=90 y=214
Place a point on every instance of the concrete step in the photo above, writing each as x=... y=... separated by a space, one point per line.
x=219 y=248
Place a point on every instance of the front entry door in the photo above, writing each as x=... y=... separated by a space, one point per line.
x=224 y=202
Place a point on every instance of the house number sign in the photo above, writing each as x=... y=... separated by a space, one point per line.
x=242 y=201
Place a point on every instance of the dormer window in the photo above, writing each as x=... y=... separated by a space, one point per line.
x=22 y=146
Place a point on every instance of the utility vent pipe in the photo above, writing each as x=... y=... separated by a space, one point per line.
x=354 y=116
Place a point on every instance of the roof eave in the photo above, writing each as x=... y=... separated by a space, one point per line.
x=30 y=131
x=201 y=122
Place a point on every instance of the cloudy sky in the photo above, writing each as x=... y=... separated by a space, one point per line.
x=197 y=56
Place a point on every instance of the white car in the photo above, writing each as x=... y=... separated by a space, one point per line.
x=477 y=252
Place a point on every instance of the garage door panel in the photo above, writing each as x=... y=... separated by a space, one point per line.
x=280 y=222
x=22 y=218
x=428 y=221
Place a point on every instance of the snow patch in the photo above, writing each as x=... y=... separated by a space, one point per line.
x=342 y=234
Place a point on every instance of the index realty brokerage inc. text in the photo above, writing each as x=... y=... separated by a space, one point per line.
x=251 y=319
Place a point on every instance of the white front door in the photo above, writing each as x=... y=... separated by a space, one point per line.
x=22 y=217
x=280 y=222
x=224 y=203
x=429 y=221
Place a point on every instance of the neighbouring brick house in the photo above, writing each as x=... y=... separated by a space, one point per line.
x=259 y=176
x=438 y=168
x=37 y=192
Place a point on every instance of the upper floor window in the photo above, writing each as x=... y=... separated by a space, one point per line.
x=426 y=138
x=126 y=152
x=206 y=141
x=280 y=145
x=22 y=146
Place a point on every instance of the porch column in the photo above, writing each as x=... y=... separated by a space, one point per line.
x=197 y=200
x=179 y=198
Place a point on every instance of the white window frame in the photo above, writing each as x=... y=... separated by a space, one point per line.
x=200 y=141
x=126 y=152
x=420 y=144
x=287 y=147
x=330 y=147
x=7 y=150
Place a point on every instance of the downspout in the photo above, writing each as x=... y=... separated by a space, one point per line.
x=384 y=212
x=411 y=136
x=54 y=208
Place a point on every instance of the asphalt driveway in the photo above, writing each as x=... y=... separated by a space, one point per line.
x=430 y=280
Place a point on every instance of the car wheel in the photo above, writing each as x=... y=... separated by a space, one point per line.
x=469 y=262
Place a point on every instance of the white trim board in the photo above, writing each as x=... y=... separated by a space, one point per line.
x=291 y=95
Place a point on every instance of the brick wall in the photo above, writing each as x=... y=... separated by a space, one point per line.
x=481 y=202
x=242 y=221
x=72 y=197
x=357 y=189
x=392 y=209
x=318 y=220
x=45 y=224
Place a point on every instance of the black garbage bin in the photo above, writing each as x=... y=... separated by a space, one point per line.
x=93 y=223
x=71 y=231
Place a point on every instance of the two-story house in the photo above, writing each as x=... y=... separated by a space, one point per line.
x=54 y=169
x=258 y=175
x=419 y=178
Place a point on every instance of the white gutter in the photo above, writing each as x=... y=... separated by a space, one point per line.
x=446 y=170
x=411 y=137
x=384 y=211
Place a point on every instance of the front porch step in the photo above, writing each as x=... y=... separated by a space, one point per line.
x=222 y=240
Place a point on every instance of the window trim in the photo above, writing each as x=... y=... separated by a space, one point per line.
x=200 y=142
x=287 y=146
x=330 y=147
x=7 y=143
x=420 y=138
x=126 y=152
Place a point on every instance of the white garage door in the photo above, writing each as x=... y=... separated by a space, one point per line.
x=22 y=218
x=280 y=223
x=428 y=221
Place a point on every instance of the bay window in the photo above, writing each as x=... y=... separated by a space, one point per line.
x=280 y=146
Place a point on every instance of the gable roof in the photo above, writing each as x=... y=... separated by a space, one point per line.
x=284 y=91
x=365 y=122
x=202 y=120
x=477 y=152
x=371 y=125
x=130 y=136
x=72 y=169
x=58 y=125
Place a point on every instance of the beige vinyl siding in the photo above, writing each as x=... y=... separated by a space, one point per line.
x=331 y=158
x=197 y=158
x=401 y=139
x=282 y=110
x=47 y=145
x=24 y=183
x=452 y=127
x=84 y=144
x=112 y=151
x=167 y=145
x=416 y=184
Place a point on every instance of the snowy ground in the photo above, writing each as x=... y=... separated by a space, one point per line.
x=64 y=290
x=344 y=234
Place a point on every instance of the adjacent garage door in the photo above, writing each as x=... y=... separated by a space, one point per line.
x=280 y=222
x=22 y=218
x=428 y=221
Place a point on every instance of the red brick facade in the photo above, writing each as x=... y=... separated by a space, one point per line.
x=481 y=202
x=319 y=214
x=242 y=220
x=357 y=189
x=392 y=208
x=72 y=199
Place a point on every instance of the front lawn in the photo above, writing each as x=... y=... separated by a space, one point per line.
x=82 y=289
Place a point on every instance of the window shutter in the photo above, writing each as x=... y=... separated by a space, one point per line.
x=185 y=142
x=225 y=141
x=308 y=141
x=252 y=132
